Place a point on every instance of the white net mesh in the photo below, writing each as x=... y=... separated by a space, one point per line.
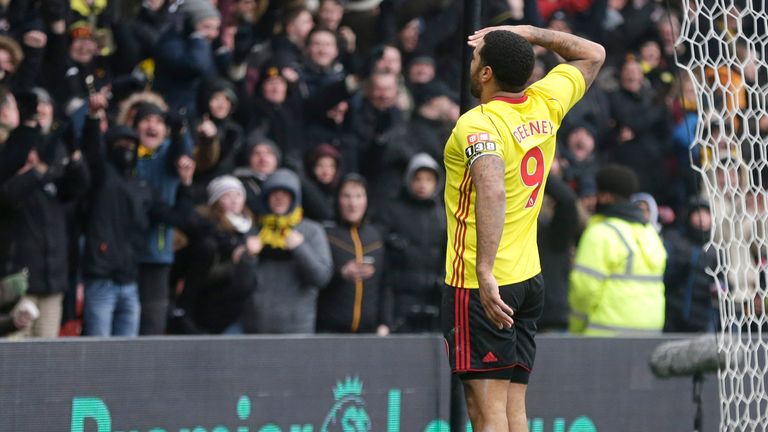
x=723 y=49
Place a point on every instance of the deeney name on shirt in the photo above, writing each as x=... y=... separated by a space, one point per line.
x=529 y=129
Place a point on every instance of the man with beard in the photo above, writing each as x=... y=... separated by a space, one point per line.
x=497 y=161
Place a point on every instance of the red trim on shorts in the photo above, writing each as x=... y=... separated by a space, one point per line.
x=510 y=100
x=456 y=327
x=468 y=350
x=461 y=336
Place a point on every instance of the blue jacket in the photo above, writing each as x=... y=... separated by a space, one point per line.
x=181 y=63
x=159 y=171
x=684 y=134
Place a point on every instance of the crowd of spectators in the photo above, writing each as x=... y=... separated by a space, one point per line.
x=275 y=166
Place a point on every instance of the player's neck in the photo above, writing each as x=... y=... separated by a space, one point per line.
x=486 y=97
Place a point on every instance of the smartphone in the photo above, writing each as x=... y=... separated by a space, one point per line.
x=369 y=260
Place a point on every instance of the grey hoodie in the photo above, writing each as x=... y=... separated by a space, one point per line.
x=653 y=208
x=422 y=161
x=285 y=300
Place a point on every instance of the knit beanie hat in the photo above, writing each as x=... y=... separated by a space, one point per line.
x=256 y=138
x=221 y=185
x=323 y=150
x=198 y=10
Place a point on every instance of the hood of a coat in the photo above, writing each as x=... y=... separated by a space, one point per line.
x=422 y=161
x=653 y=208
x=284 y=179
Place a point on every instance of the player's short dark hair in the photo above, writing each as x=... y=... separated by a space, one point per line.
x=617 y=180
x=511 y=58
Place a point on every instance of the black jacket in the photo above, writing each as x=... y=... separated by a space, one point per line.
x=33 y=229
x=384 y=153
x=182 y=62
x=283 y=123
x=318 y=199
x=120 y=210
x=323 y=130
x=341 y=302
x=65 y=78
x=649 y=121
x=286 y=53
x=415 y=272
x=135 y=39
x=253 y=183
x=428 y=136
x=215 y=288
x=557 y=237
x=689 y=305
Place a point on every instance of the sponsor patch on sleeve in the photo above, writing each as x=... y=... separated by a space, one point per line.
x=478 y=148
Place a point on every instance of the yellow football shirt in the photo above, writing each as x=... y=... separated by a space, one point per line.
x=522 y=132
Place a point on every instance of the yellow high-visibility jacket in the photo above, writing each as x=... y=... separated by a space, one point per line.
x=616 y=285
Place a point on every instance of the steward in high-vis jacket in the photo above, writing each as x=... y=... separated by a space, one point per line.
x=616 y=285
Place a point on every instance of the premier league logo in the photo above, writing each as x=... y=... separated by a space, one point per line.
x=348 y=413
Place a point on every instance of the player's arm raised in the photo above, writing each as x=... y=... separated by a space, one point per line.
x=488 y=179
x=584 y=55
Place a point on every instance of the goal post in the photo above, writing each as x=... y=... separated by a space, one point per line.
x=723 y=48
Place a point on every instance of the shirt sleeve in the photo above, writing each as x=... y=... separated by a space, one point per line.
x=477 y=136
x=564 y=84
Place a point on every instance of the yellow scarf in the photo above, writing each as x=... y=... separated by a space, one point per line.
x=83 y=8
x=145 y=152
x=275 y=228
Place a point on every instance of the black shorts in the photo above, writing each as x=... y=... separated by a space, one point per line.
x=479 y=349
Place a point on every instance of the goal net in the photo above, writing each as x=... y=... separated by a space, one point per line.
x=722 y=50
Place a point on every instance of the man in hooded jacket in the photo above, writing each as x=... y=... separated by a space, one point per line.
x=294 y=264
x=616 y=285
x=415 y=240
